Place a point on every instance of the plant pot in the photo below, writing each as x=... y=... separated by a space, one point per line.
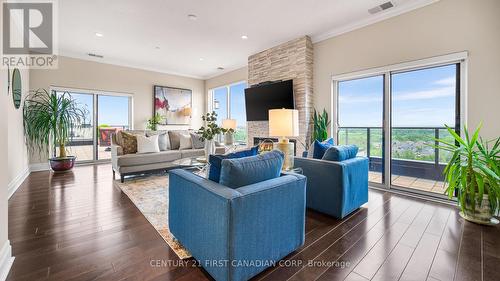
x=481 y=214
x=209 y=148
x=62 y=164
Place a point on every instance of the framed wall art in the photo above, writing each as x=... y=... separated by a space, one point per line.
x=173 y=105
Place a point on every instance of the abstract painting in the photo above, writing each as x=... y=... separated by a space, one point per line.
x=173 y=105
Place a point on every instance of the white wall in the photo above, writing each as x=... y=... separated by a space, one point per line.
x=5 y=103
x=83 y=74
x=445 y=27
x=240 y=74
x=18 y=167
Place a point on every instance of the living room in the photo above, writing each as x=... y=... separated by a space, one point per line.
x=333 y=140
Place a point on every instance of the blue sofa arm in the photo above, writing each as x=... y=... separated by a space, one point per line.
x=235 y=233
x=335 y=188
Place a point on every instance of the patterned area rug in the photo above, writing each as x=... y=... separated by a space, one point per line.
x=150 y=195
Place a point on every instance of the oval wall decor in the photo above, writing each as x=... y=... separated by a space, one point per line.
x=16 y=88
x=8 y=80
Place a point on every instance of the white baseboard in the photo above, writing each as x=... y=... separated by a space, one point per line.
x=39 y=167
x=16 y=183
x=6 y=260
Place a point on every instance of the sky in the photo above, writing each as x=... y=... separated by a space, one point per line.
x=420 y=98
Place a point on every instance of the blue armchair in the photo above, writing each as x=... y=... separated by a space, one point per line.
x=335 y=188
x=237 y=233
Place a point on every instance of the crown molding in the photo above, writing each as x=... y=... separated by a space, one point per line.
x=392 y=12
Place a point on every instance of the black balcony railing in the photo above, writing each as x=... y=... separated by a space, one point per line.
x=412 y=151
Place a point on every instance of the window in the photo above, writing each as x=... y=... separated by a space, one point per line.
x=111 y=113
x=395 y=113
x=229 y=103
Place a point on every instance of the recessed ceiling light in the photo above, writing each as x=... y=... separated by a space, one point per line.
x=98 y=34
x=157 y=47
x=192 y=17
x=201 y=59
x=244 y=37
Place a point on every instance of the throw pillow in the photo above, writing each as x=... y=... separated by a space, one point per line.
x=310 y=152
x=147 y=144
x=216 y=161
x=185 y=141
x=319 y=148
x=340 y=152
x=249 y=170
x=174 y=138
x=129 y=142
x=197 y=142
x=163 y=140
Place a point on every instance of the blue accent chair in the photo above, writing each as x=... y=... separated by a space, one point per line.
x=237 y=233
x=335 y=188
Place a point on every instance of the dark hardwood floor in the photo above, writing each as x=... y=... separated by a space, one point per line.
x=78 y=226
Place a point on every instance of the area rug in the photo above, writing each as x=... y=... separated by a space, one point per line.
x=150 y=195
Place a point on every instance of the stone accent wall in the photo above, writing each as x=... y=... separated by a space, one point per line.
x=291 y=60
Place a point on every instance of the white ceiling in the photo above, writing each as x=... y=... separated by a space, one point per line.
x=133 y=29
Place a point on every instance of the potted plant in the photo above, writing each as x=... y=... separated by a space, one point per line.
x=154 y=121
x=48 y=119
x=321 y=124
x=472 y=175
x=210 y=131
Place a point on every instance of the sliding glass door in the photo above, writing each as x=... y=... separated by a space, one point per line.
x=395 y=114
x=360 y=119
x=111 y=113
x=424 y=101
x=81 y=142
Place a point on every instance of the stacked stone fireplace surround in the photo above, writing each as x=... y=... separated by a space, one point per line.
x=291 y=60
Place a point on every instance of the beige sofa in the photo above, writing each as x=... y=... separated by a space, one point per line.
x=129 y=164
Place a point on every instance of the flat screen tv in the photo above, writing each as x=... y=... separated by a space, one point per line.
x=275 y=95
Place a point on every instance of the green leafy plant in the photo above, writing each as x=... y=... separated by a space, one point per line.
x=211 y=129
x=154 y=121
x=472 y=170
x=321 y=123
x=49 y=118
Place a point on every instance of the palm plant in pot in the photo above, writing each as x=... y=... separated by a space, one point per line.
x=48 y=119
x=472 y=175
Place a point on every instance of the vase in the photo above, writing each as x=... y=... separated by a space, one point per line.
x=482 y=213
x=62 y=164
x=209 y=148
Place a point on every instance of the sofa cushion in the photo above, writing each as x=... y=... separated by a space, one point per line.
x=185 y=153
x=128 y=142
x=318 y=149
x=197 y=142
x=148 y=158
x=216 y=161
x=238 y=172
x=175 y=138
x=340 y=152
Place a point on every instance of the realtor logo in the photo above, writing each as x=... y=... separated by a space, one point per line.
x=28 y=37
